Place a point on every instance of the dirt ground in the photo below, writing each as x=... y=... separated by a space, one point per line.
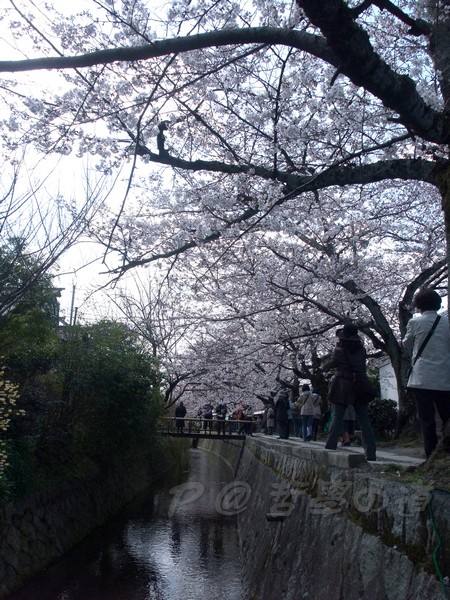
x=433 y=472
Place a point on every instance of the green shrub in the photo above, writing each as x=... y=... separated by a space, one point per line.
x=383 y=416
x=19 y=475
x=111 y=392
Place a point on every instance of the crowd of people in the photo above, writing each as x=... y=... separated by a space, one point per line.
x=350 y=390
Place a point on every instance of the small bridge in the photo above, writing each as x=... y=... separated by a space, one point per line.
x=205 y=428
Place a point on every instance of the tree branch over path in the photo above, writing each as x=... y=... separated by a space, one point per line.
x=418 y=26
x=406 y=169
x=345 y=46
x=364 y=67
x=313 y=44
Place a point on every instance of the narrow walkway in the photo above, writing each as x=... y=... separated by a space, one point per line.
x=391 y=456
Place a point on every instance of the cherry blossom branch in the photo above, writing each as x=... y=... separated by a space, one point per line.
x=414 y=169
x=357 y=59
x=407 y=169
x=417 y=26
x=346 y=46
x=313 y=44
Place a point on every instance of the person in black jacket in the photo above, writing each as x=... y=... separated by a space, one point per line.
x=350 y=385
x=282 y=415
x=221 y=413
x=180 y=413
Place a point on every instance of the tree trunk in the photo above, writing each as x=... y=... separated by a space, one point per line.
x=444 y=187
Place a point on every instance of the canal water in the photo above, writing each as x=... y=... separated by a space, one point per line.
x=179 y=543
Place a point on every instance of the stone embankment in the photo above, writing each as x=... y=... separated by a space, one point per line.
x=317 y=524
x=45 y=525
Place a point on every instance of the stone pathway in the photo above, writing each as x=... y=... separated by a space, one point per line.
x=404 y=457
x=390 y=456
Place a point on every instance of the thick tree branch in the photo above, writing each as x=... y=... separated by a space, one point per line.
x=347 y=47
x=417 y=26
x=313 y=44
x=364 y=67
x=406 y=169
x=418 y=170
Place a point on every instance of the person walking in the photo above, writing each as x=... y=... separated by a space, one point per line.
x=306 y=401
x=350 y=385
x=248 y=414
x=180 y=413
x=240 y=413
x=270 y=420
x=348 y=426
x=297 y=418
x=428 y=337
x=281 y=414
x=221 y=413
x=207 y=416
x=317 y=402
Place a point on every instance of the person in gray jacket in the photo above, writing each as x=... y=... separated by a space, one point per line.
x=430 y=375
x=307 y=402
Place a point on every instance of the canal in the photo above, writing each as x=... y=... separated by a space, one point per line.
x=178 y=543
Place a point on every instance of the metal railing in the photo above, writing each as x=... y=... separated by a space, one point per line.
x=194 y=427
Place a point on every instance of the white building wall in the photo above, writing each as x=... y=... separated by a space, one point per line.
x=388 y=382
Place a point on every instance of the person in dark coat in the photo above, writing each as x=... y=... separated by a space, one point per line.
x=282 y=415
x=221 y=413
x=350 y=385
x=207 y=416
x=248 y=414
x=180 y=413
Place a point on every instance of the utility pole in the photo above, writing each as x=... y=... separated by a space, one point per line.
x=72 y=305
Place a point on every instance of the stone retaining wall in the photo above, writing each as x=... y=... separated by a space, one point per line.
x=41 y=527
x=309 y=529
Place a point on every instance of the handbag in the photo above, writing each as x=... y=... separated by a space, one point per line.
x=421 y=349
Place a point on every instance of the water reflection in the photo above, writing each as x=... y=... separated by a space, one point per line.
x=156 y=550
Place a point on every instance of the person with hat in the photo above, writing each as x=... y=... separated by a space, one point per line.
x=350 y=386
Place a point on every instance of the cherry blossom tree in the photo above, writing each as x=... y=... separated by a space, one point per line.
x=154 y=306
x=288 y=292
x=296 y=149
